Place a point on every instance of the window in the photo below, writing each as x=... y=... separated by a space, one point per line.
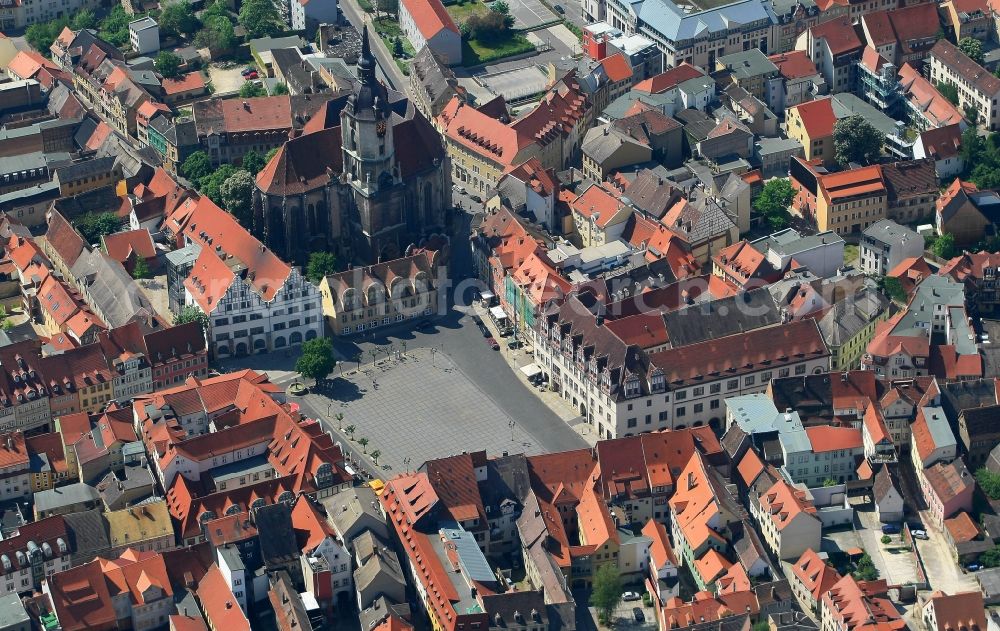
x=681 y=395
x=800 y=369
x=699 y=408
x=748 y=380
x=732 y=384
x=699 y=391
x=715 y=388
x=632 y=422
x=681 y=411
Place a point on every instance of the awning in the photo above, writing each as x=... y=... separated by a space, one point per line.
x=349 y=470
x=531 y=370
x=487 y=296
x=498 y=313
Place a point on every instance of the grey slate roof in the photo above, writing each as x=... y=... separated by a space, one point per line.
x=675 y=24
x=743 y=312
x=70 y=494
x=889 y=232
x=88 y=532
x=849 y=317
x=277 y=536
x=748 y=63
x=112 y=292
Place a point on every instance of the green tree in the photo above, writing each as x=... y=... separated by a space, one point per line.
x=893 y=288
x=865 y=570
x=140 y=269
x=84 y=19
x=215 y=9
x=178 y=19
x=41 y=35
x=350 y=429
x=236 y=193
x=340 y=420
x=260 y=18
x=93 y=226
x=364 y=444
x=973 y=49
x=607 y=592
x=211 y=186
x=944 y=246
x=387 y=6
x=829 y=482
x=375 y=454
x=114 y=27
x=168 y=64
x=989 y=482
x=191 y=313
x=270 y=154
x=253 y=162
x=316 y=361
x=856 y=140
x=280 y=89
x=501 y=8
x=196 y=166
x=886 y=539
x=776 y=196
x=948 y=91
x=251 y=89
x=216 y=34
x=990 y=558
x=397 y=47
x=971 y=113
x=320 y=264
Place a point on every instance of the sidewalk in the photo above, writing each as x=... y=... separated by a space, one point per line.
x=519 y=358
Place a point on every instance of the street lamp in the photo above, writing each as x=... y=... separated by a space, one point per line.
x=406 y=463
x=511 y=425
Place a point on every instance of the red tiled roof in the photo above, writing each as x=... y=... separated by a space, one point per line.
x=817 y=117
x=660 y=551
x=13 y=452
x=645 y=330
x=27 y=63
x=815 y=574
x=188 y=82
x=597 y=200
x=932 y=105
x=839 y=34
x=978 y=78
x=454 y=482
x=81 y=598
x=965 y=610
x=783 y=504
x=828 y=438
x=794 y=64
x=430 y=17
x=481 y=133
x=670 y=78
x=50 y=444
x=962 y=528
x=617 y=68
x=220 y=605
x=121 y=246
x=63 y=238
x=750 y=467
x=134 y=572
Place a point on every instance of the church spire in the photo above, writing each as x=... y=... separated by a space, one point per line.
x=366 y=64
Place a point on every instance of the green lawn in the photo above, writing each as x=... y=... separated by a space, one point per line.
x=475 y=52
x=388 y=29
x=366 y=6
x=851 y=254
x=461 y=12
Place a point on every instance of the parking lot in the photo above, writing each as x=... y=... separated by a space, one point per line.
x=515 y=84
x=529 y=14
x=942 y=571
x=225 y=80
x=895 y=562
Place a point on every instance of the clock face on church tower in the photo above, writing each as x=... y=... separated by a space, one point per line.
x=380 y=128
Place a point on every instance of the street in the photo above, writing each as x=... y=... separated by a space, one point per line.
x=388 y=70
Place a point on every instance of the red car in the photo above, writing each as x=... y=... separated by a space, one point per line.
x=493 y=343
x=250 y=76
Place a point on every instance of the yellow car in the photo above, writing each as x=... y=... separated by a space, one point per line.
x=377 y=485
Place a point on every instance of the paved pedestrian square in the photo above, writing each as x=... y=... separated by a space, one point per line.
x=421 y=408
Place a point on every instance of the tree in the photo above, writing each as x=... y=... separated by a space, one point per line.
x=886 y=539
x=280 y=89
x=387 y=6
x=93 y=226
x=114 y=27
x=320 y=264
x=196 y=166
x=865 y=570
x=178 y=18
x=84 y=19
x=350 y=429
x=973 y=49
x=856 y=140
x=490 y=26
x=217 y=34
x=948 y=91
x=364 y=444
x=211 y=186
x=971 y=113
x=607 y=592
x=501 y=8
x=316 y=361
x=168 y=64
x=260 y=18
x=893 y=288
x=989 y=482
x=41 y=35
x=990 y=558
x=775 y=197
x=140 y=269
x=251 y=89
x=829 y=482
x=374 y=353
x=237 y=195
x=340 y=420
x=253 y=162
x=944 y=246
x=375 y=454
x=397 y=47
x=191 y=313
x=270 y=154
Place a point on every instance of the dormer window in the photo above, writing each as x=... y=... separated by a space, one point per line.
x=658 y=383
x=632 y=386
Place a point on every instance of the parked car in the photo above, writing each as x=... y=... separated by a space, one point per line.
x=476 y=198
x=974 y=567
x=890 y=529
x=919 y=534
x=630 y=596
x=559 y=9
x=248 y=70
x=493 y=343
x=250 y=76
x=512 y=344
x=637 y=615
x=424 y=325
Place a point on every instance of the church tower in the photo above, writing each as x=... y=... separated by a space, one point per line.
x=366 y=131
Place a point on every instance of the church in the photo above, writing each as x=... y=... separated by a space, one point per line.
x=366 y=179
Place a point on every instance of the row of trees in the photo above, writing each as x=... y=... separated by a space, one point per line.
x=113 y=28
x=490 y=26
